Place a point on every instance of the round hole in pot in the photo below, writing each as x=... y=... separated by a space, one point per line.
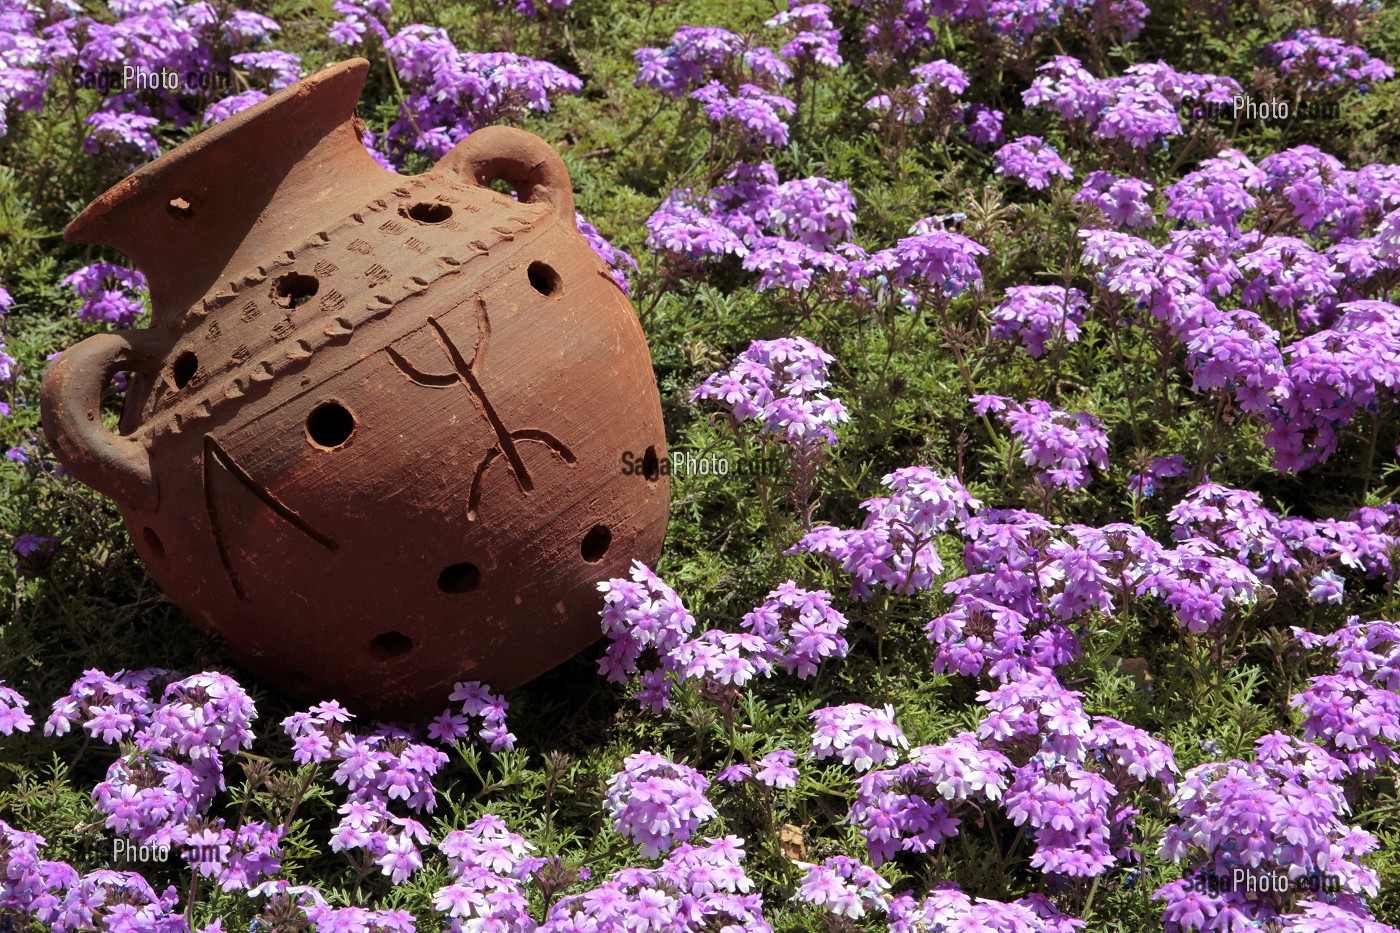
x=459 y=578
x=184 y=368
x=390 y=645
x=330 y=425
x=294 y=289
x=596 y=543
x=543 y=278
x=428 y=212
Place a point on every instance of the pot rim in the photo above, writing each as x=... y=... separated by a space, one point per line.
x=349 y=73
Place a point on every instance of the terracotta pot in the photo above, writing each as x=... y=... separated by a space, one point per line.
x=375 y=435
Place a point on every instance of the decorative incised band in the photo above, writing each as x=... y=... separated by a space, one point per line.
x=319 y=293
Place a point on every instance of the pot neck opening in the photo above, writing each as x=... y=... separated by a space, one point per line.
x=211 y=207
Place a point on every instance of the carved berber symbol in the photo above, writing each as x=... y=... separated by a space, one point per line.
x=464 y=372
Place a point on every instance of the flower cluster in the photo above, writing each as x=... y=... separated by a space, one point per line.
x=759 y=114
x=645 y=621
x=694 y=55
x=1029 y=159
x=643 y=614
x=306 y=907
x=1283 y=272
x=55 y=894
x=842 y=886
x=792 y=234
x=896 y=27
x=110 y=293
x=448 y=92
x=1355 y=713
x=478 y=703
x=452 y=92
x=1073 y=767
x=785 y=231
x=1236 y=352
x=175 y=734
x=1062 y=446
x=779 y=384
x=1158 y=470
x=1138 y=108
x=934 y=260
x=183 y=53
x=1311 y=552
x=933 y=100
x=358 y=19
x=775 y=770
x=14 y=715
x=536 y=8
x=1027 y=577
x=374 y=770
x=160 y=792
x=977 y=635
x=180 y=741
x=799 y=629
x=1332 y=376
x=859 y=735
x=813 y=37
x=909 y=807
x=1217 y=193
x=1313 y=275
x=657 y=803
x=618 y=259
x=1122 y=201
x=984 y=125
x=734 y=80
x=948 y=908
x=489 y=866
x=1317 y=62
x=1280 y=814
x=695 y=889
x=1037 y=754
x=895 y=545
x=21 y=61
x=1142 y=276
x=390 y=764
x=1037 y=314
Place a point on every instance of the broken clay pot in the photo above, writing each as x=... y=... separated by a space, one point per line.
x=374 y=436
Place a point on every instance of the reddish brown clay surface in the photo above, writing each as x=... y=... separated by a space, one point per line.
x=374 y=437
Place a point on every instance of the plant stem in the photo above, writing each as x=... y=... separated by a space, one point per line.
x=1089 y=901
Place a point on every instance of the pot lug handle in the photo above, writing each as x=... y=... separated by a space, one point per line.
x=524 y=160
x=70 y=409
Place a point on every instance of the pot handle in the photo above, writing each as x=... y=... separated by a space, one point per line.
x=70 y=409
x=523 y=159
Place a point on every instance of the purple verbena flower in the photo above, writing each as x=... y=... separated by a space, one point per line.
x=895 y=546
x=1029 y=159
x=1037 y=314
x=859 y=735
x=657 y=803
x=779 y=384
